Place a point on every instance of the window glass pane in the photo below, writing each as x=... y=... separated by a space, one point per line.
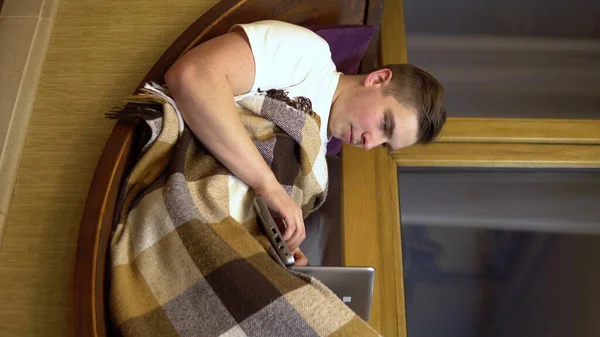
x=500 y=253
x=539 y=59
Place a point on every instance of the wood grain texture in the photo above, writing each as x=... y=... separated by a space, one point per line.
x=370 y=213
x=521 y=130
x=98 y=53
x=371 y=232
x=393 y=34
x=499 y=155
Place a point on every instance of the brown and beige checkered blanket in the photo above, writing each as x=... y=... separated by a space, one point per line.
x=187 y=256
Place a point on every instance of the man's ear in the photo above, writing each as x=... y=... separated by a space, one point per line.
x=378 y=78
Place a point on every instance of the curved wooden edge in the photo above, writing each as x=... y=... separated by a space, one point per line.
x=89 y=278
x=96 y=224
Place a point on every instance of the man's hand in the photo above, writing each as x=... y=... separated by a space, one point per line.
x=299 y=258
x=281 y=203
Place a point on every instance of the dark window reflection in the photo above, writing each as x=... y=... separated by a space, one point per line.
x=508 y=274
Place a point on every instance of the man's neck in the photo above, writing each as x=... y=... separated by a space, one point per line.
x=344 y=83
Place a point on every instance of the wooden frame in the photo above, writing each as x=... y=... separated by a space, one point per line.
x=89 y=309
x=516 y=130
x=499 y=155
x=370 y=203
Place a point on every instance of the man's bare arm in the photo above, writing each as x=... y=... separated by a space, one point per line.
x=203 y=82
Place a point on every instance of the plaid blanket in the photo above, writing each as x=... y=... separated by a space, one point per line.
x=187 y=255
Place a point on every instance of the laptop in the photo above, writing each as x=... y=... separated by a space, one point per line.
x=353 y=285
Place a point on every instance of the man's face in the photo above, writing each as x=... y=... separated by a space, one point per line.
x=363 y=116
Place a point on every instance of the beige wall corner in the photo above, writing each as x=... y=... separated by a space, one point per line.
x=25 y=32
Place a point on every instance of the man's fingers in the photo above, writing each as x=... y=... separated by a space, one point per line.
x=289 y=231
x=298 y=236
x=300 y=258
x=293 y=243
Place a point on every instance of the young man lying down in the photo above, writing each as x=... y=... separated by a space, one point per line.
x=395 y=106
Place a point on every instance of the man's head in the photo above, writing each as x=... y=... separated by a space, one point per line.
x=398 y=105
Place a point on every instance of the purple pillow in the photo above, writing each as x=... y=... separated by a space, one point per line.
x=348 y=44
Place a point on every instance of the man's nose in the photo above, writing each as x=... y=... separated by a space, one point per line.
x=371 y=141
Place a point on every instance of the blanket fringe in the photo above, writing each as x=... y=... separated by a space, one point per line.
x=145 y=106
x=133 y=111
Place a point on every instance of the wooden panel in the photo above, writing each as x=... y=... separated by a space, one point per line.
x=371 y=231
x=370 y=214
x=513 y=130
x=393 y=35
x=499 y=155
x=371 y=59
